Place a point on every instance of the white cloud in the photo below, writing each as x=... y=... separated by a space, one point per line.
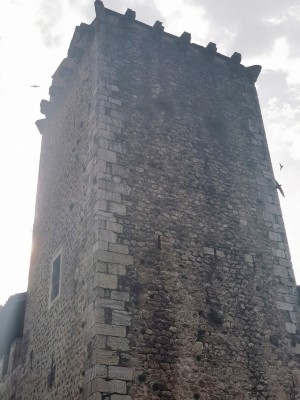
x=48 y=15
x=180 y=16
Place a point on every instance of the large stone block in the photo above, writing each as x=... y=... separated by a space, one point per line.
x=106 y=235
x=291 y=328
x=98 y=371
x=113 y=226
x=278 y=253
x=115 y=258
x=118 y=248
x=280 y=271
x=284 y=306
x=295 y=349
x=117 y=295
x=123 y=373
x=120 y=397
x=118 y=343
x=296 y=377
x=106 y=281
x=107 y=155
x=112 y=386
x=295 y=317
x=109 y=303
x=117 y=208
x=108 y=195
x=109 y=330
x=121 y=318
x=104 y=357
x=117 y=269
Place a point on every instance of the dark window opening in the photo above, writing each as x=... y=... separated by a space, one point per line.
x=5 y=364
x=14 y=358
x=55 y=278
x=31 y=359
x=51 y=374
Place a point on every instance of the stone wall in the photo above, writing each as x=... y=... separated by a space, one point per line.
x=156 y=188
x=192 y=191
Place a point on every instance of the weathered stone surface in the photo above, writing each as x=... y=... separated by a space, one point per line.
x=296 y=377
x=112 y=386
x=209 y=250
x=118 y=248
x=284 y=306
x=109 y=303
x=107 y=281
x=291 y=299
x=295 y=317
x=109 y=330
x=121 y=318
x=118 y=343
x=117 y=295
x=295 y=349
x=117 y=258
x=120 y=397
x=98 y=371
x=122 y=373
x=103 y=357
x=291 y=328
x=156 y=187
x=119 y=209
x=117 y=269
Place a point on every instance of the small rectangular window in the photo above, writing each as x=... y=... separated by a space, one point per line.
x=5 y=364
x=55 y=277
x=51 y=374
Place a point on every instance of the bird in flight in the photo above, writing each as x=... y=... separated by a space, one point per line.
x=281 y=166
x=34 y=86
x=279 y=188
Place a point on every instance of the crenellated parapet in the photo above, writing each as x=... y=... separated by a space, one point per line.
x=82 y=36
x=253 y=72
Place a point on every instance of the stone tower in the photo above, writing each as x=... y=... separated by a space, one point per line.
x=160 y=267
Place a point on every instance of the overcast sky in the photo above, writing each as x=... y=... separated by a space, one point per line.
x=34 y=38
